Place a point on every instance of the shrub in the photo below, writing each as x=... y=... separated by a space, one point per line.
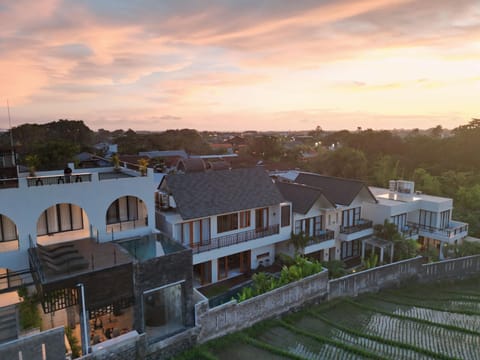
x=28 y=309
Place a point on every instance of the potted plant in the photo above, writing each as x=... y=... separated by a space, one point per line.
x=32 y=163
x=116 y=162
x=142 y=166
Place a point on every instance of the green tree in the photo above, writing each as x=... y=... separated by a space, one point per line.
x=385 y=168
x=426 y=182
x=344 y=162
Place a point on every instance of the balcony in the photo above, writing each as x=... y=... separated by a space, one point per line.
x=322 y=239
x=233 y=239
x=455 y=230
x=58 y=179
x=126 y=225
x=57 y=269
x=321 y=236
x=359 y=230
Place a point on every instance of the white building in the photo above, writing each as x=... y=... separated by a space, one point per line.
x=330 y=210
x=417 y=215
x=231 y=219
x=94 y=227
x=51 y=208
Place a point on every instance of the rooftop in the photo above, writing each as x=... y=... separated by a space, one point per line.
x=202 y=194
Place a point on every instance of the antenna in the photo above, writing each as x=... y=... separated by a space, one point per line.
x=11 y=133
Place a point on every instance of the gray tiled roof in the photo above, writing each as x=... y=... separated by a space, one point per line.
x=339 y=190
x=302 y=196
x=218 y=192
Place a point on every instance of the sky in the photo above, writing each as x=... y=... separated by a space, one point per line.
x=237 y=65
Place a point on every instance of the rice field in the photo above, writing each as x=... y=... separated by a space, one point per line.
x=423 y=322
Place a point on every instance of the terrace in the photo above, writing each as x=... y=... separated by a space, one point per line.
x=58 y=178
x=57 y=269
x=455 y=230
x=359 y=230
x=321 y=236
x=233 y=239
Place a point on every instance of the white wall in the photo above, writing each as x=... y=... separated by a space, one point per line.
x=24 y=205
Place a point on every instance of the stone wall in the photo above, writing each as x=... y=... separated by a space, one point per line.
x=457 y=269
x=157 y=272
x=234 y=316
x=32 y=347
x=373 y=280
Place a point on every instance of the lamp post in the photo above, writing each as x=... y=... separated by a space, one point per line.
x=84 y=325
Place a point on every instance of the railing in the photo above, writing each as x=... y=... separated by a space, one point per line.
x=410 y=229
x=37 y=271
x=12 y=280
x=453 y=229
x=321 y=236
x=8 y=183
x=359 y=226
x=59 y=179
x=126 y=225
x=237 y=238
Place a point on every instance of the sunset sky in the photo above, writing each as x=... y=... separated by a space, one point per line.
x=241 y=64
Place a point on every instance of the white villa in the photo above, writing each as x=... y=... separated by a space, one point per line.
x=231 y=219
x=417 y=215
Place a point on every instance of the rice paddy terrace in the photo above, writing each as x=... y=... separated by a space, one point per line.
x=422 y=322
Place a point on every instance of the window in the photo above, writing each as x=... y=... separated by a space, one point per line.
x=285 y=213
x=427 y=218
x=261 y=219
x=244 y=219
x=227 y=222
x=399 y=220
x=8 y=230
x=350 y=249
x=350 y=217
x=60 y=218
x=123 y=209
x=444 y=219
x=196 y=232
x=310 y=226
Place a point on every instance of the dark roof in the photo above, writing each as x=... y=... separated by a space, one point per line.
x=191 y=165
x=339 y=190
x=219 y=192
x=302 y=196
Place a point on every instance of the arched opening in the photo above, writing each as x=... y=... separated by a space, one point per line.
x=125 y=213
x=8 y=234
x=62 y=222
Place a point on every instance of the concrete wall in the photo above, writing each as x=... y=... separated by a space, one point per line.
x=52 y=342
x=161 y=271
x=373 y=280
x=234 y=316
x=457 y=269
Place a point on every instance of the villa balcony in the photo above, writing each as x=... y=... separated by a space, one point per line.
x=58 y=178
x=455 y=230
x=321 y=236
x=233 y=239
x=323 y=239
x=58 y=268
x=410 y=230
x=359 y=230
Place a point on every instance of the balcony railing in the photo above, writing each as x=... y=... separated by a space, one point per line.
x=359 y=226
x=454 y=228
x=8 y=183
x=58 y=179
x=321 y=236
x=126 y=225
x=410 y=229
x=237 y=238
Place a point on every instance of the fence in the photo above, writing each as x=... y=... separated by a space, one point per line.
x=233 y=316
